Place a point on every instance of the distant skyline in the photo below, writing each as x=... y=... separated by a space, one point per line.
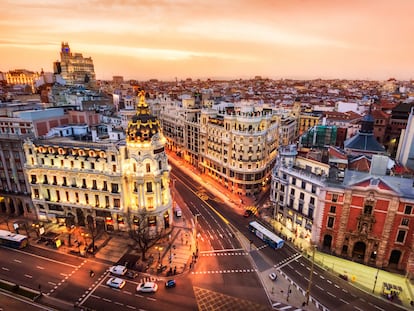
x=226 y=39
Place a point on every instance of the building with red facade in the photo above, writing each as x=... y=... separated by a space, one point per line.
x=369 y=218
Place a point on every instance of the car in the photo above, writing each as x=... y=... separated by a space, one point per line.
x=247 y=213
x=118 y=270
x=131 y=274
x=147 y=287
x=273 y=276
x=116 y=283
x=170 y=283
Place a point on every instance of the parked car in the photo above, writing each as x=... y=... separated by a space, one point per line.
x=118 y=270
x=116 y=283
x=273 y=276
x=147 y=287
x=131 y=274
x=170 y=283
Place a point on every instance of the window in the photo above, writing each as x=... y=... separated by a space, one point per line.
x=92 y=166
x=72 y=164
x=94 y=187
x=401 y=236
x=86 y=198
x=83 y=183
x=301 y=196
x=148 y=168
x=282 y=188
x=303 y=185
x=330 y=222
x=334 y=197
x=404 y=222
x=114 y=168
x=408 y=209
x=105 y=186
x=82 y=165
x=114 y=188
x=292 y=191
x=159 y=165
x=332 y=209
x=96 y=200
x=313 y=189
x=45 y=179
x=312 y=201
x=293 y=181
x=77 y=197
x=367 y=209
x=112 y=158
x=34 y=179
x=54 y=180
x=36 y=193
x=149 y=186
x=64 y=181
x=117 y=203
x=310 y=213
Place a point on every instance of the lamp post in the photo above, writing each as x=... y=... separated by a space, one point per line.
x=375 y=281
x=311 y=274
x=195 y=232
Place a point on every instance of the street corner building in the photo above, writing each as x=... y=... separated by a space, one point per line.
x=110 y=181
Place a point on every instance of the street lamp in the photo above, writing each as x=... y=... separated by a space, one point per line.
x=311 y=274
x=195 y=231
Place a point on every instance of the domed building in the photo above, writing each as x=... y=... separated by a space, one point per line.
x=146 y=170
x=103 y=183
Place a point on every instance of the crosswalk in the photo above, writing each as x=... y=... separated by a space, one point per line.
x=224 y=271
x=284 y=307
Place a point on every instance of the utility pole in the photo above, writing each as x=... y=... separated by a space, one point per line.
x=311 y=274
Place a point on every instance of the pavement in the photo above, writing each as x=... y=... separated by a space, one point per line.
x=177 y=253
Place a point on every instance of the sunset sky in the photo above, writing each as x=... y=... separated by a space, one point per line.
x=168 y=39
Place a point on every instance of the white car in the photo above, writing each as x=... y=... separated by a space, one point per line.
x=118 y=270
x=147 y=287
x=116 y=283
x=273 y=276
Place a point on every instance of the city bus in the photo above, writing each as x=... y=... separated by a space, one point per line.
x=13 y=240
x=266 y=235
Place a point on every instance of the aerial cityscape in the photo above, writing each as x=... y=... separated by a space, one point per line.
x=184 y=161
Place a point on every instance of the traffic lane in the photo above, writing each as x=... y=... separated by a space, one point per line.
x=331 y=291
x=32 y=270
x=105 y=298
x=11 y=302
x=52 y=253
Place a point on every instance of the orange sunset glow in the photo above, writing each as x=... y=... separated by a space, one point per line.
x=168 y=39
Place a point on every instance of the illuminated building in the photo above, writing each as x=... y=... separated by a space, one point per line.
x=106 y=181
x=22 y=77
x=74 y=68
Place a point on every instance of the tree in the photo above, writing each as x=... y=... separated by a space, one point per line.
x=141 y=233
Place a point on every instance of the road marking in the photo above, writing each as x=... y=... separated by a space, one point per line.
x=320 y=287
x=17 y=260
x=5 y=269
x=329 y=281
x=119 y=303
x=51 y=283
x=131 y=307
x=28 y=276
x=329 y=293
x=39 y=267
x=344 y=301
x=152 y=299
x=106 y=299
x=358 y=308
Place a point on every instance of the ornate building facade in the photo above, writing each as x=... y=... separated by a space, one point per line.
x=109 y=183
x=74 y=68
